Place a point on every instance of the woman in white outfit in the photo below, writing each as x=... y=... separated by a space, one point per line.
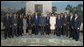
x=52 y=23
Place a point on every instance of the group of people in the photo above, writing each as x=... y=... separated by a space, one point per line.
x=53 y=24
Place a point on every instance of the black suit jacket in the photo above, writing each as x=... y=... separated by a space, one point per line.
x=71 y=22
x=77 y=23
x=14 y=20
x=66 y=20
x=7 y=22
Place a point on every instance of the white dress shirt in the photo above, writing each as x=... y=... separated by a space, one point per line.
x=71 y=17
x=76 y=18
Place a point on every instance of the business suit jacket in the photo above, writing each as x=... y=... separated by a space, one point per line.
x=7 y=22
x=71 y=21
x=42 y=21
x=36 y=21
x=21 y=22
x=77 y=23
x=47 y=20
x=66 y=20
x=14 y=20
x=58 y=22
x=62 y=20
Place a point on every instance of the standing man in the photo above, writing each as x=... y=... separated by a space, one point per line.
x=77 y=23
x=65 y=24
x=14 y=22
x=18 y=30
x=71 y=24
x=7 y=25
x=62 y=22
x=36 y=22
x=27 y=22
x=11 y=25
x=58 y=25
x=20 y=22
x=47 y=25
x=42 y=22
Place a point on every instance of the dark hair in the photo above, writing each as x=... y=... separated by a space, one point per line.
x=52 y=13
x=58 y=14
x=61 y=13
x=55 y=13
x=65 y=12
x=35 y=13
x=14 y=13
x=76 y=12
x=7 y=13
x=70 y=11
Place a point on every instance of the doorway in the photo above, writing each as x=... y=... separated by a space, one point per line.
x=39 y=8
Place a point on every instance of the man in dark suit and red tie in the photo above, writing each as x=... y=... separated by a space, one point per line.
x=77 y=23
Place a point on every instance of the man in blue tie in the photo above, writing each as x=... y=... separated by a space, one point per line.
x=36 y=22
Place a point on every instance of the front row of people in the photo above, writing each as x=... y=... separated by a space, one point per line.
x=53 y=24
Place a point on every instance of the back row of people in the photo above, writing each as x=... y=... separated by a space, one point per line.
x=52 y=24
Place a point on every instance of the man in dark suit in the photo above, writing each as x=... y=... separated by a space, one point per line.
x=36 y=22
x=18 y=18
x=11 y=25
x=71 y=23
x=14 y=23
x=20 y=24
x=42 y=22
x=33 y=27
x=65 y=25
x=7 y=24
x=47 y=25
x=62 y=22
x=58 y=25
x=77 y=23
